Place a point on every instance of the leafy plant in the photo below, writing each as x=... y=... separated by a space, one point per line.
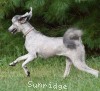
x=52 y=14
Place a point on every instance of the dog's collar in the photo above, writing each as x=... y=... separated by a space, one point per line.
x=28 y=32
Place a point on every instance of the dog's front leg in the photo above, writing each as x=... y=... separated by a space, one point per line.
x=30 y=58
x=18 y=60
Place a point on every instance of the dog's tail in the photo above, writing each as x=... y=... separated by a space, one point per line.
x=70 y=36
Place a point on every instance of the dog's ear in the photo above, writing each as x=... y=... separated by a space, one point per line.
x=26 y=17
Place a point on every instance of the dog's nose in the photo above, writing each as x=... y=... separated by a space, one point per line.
x=9 y=29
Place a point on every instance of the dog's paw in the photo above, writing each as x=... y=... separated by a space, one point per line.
x=12 y=64
x=28 y=74
x=96 y=74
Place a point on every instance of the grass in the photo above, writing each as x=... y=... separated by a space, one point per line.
x=44 y=71
x=49 y=72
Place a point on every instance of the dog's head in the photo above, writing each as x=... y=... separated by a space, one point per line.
x=19 y=20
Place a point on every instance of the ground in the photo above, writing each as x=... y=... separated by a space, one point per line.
x=49 y=72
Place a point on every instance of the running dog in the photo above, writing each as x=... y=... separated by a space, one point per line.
x=37 y=44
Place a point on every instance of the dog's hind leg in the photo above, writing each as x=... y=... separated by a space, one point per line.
x=30 y=58
x=18 y=60
x=82 y=66
x=68 y=66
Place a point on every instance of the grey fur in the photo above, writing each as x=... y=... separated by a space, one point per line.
x=69 y=46
x=15 y=18
x=69 y=43
x=70 y=36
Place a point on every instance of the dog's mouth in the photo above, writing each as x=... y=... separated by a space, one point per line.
x=14 y=31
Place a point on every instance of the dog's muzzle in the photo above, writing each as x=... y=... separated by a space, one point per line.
x=13 y=31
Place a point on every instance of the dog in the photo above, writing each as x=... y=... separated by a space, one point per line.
x=37 y=44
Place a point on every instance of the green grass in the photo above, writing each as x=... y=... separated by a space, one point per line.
x=44 y=71
x=47 y=71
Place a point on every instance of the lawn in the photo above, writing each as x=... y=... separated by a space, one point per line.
x=52 y=18
x=46 y=75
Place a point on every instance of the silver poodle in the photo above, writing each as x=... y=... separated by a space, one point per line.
x=37 y=44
